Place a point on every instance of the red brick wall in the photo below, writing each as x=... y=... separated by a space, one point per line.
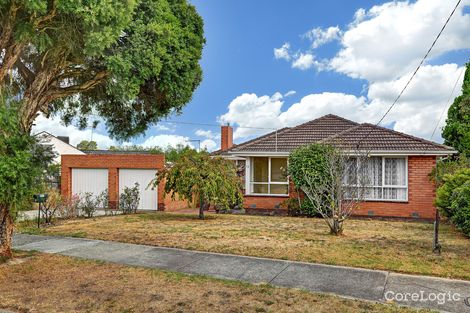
x=113 y=163
x=175 y=205
x=263 y=202
x=421 y=194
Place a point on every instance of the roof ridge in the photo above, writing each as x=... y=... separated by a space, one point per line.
x=323 y=117
x=407 y=135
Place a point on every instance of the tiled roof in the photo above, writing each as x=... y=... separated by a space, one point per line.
x=338 y=131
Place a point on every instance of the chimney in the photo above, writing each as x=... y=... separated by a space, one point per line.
x=65 y=139
x=226 y=141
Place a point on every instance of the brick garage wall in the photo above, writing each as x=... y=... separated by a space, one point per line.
x=175 y=205
x=113 y=163
x=421 y=194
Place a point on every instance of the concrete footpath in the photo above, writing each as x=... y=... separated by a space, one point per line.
x=417 y=291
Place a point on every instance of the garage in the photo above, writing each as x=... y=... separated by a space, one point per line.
x=148 y=194
x=94 y=180
x=100 y=170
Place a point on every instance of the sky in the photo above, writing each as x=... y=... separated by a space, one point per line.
x=271 y=64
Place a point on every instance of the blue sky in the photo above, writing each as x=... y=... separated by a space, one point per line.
x=354 y=70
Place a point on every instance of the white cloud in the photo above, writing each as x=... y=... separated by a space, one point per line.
x=209 y=134
x=167 y=128
x=319 y=36
x=416 y=113
x=249 y=110
x=316 y=105
x=304 y=61
x=55 y=127
x=388 y=40
x=282 y=52
x=289 y=93
x=166 y=140
x=208 y=144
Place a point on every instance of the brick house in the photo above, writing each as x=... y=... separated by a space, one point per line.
x=399 y=165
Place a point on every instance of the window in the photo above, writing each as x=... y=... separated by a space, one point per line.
x=385 y=177
x=269 y=176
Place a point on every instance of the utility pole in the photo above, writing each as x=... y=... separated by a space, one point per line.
x=436 y=246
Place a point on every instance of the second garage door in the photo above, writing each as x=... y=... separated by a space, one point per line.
x=148 y=196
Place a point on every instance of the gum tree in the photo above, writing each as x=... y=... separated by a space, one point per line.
x=130 y=62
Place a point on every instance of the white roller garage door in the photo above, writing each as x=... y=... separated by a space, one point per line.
x=148 y=196
x=94 y=180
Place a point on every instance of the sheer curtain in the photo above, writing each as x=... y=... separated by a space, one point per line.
x=395 y=177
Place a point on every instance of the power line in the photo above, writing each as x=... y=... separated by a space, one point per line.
x=213 y=125
x=414 y=73
x=447 y=103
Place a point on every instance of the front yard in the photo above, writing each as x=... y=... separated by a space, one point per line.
x=395 y=246
x=52 y=283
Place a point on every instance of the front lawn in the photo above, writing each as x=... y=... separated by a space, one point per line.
x=52 y=283
x=395 y=246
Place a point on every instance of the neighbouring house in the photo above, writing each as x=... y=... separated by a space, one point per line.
x=399 y=163
x=60 y=145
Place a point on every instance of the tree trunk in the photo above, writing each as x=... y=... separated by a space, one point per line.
x=201 y=208
x=6 y=231
x=336 y=228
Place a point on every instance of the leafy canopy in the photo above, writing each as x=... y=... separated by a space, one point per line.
x=129 y=62
x=87 y=145
x=457 y=130
x=309 y=164
x=22 y=161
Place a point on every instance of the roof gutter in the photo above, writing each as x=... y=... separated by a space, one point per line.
x=372 y=152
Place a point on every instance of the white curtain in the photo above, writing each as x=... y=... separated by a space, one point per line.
x=373 y=171
x=395 y=175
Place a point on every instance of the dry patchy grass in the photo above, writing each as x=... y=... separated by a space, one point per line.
x=395 y=246
x=52 y=283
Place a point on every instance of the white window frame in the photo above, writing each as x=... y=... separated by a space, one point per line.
x=269 y=182
x=383 y=186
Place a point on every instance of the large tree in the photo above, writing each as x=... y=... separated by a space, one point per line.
x=130 y=62
x=457 y=130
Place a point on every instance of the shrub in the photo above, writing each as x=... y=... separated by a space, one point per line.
x=444 y=194
x=87 y=204
x=70 y=207
x=102 y=200
x=129 y=199
x=453 y=197
x=299 y=207
x=52 y=207
x=460 y=204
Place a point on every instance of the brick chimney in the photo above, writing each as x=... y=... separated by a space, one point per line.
x=226 y=140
